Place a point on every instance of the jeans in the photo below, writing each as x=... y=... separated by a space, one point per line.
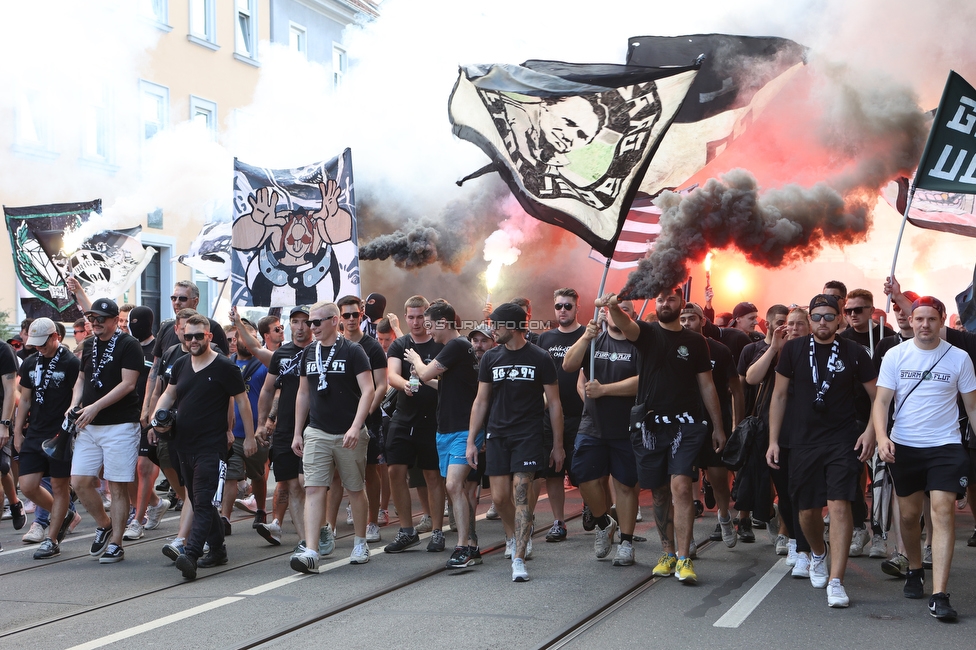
x=200 y=475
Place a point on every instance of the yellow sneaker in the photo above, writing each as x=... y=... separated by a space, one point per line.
x=685 y=571
x=665 y=565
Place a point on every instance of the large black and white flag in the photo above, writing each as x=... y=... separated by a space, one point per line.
x=572 y=141
x=949 y=160
x=210 y=252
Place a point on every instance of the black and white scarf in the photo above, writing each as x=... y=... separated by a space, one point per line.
x=103 y=358
x=323 y=378
x=40 y=387
x=823 y=386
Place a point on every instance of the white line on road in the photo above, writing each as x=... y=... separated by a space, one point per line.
x=739 y=612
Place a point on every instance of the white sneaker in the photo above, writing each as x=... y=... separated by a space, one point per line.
x=492 y=514
x=349 y=514
x=819 y=573
x=35 y=534
x=625 y=555
x=859 y=540
x=247 y=504
x=133 y=531
x=836 y=594
x=640 y=517
x=383 y=517
x=519 y=574
x=604 y=540
x=693 y=550
x=447 y=507
x=509 y=548
x=270 y=532
x=802 y=567
x=878 y=547
x=528 y=546
x=155 y=513
x=426 y=524
x=782 y=545
x=372 y=532
x=30 y=506
x=791 y=553
x=728 y=531
x=305 y=561
x=106 y=501
x=360 y=554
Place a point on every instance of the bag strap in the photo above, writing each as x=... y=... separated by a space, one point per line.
x=919 y=383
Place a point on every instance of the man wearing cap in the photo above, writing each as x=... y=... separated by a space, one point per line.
x=827 y=446
x=924 y=452
x=47 y=380
x=515 y=380
x=482 y=339
x=108 y=425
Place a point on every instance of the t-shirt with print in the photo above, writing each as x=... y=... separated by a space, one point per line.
x=608 y=418
x=286 y=363
x=838 y=422
x=333 y=410
x=518 y=379
x=419 y=409
x=35 y=373
x=926 y=384
x=671 y=361
x=127 y=355
x=202 y=397
x=458 y=385
x=556 y=343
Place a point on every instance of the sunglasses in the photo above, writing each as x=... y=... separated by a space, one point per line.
x=564 y=306
x=856 y=310
x=315 y=322
x=816 y=318
x=352 y=315
x=195 y=336
x=278 y=329
x=97 y=319
x=179 y=298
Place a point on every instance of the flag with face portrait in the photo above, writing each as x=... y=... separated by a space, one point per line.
x=294 y=234
x=572 y=141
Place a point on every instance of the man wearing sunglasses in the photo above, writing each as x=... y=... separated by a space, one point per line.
x=272 y=332
x=108 y=425
x=827 y=444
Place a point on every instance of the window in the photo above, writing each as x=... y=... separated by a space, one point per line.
x=96 y=131
x=152 y=289
x=339 y=58
x=245 y=43
x=298 y=39
x=154 y=108
x=156 y=11
x=204 y=112
x=203 y=23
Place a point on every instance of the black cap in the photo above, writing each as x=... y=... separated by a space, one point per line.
x=104 y=307
x=825 y=300
x=484 y=330
x=742 y=309
x=300 y=309
x=510 y=316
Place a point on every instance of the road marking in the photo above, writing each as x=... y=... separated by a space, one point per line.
x=739 y=612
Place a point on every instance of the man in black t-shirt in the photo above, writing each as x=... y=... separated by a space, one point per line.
x=675 y=390
x=603 y=446
x=455 y=371
x=46 y=382
x=203 y=384
x=8 y=377
x=335 y=392
x=515 y=379
x=108 y=425
x=556 y=342
x=827 y=445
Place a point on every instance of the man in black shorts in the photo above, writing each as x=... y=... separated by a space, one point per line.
x=827 y=447
x=924 y=453
x=674 y=392
x=515 y=379
x=603 y=446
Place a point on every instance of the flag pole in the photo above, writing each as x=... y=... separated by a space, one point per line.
x=643 y=307
x=596 y=315
x=901 y=232
x=219 y=296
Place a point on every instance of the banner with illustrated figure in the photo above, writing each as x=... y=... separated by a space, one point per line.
x=294 y=235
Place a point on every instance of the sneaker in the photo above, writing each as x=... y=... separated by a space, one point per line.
x=48 y=549
x=791 y=553
x=134 y=531
x=604 y=540
x=226 y=523
x=972 y=540
x=859 y=540
x=132 y=515
x=372 y=532
x=174 y=549
x=699 y=508
x=819 y=573
x=447 y=507
x=745 y=533
x=927 y=557
x=102 y=536
x=260 y=517
x=306 y=561
x=215 y=557
x=914 y=584
x=963 y=502
x=187 y=566
x=271 y=532
x=349 y=514
x=940 y=608
x=782 y=545
x=475 y=553
x=326 y=540
x=802 y=567
x=402 y=542
x=426 y=525
x=6 y=511
x=640 y=517
x=383 y=517
x=836 y=594
x=519 y=574
x=249 y=504
x=30 y=506
x=693 y=549
x=155 y=513
x=708 y=493
x=106 y=501
x=436 y=543
x=665 y=565
x=76 y=519
x=17 y=514
x=114 y=553
x=896 y=566
x=625 y=555
x=557 y=532
x=878 y=547
x=163 y=486
x=716 y=535
x=177 y=503
x=460 y=558
x=69 y=519
x=589 y=523
x=360 y=554
x=685 y=571
x=492 y=514
x=528 y=544
x=757 y=524
x=509 y=548
x=727 y=530
x=35 y=534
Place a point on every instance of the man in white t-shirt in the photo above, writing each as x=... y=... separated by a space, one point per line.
x=924 y=376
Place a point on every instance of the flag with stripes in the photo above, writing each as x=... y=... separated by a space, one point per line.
x=637 y=236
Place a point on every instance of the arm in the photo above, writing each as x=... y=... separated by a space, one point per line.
x=969 y=401
x=623 y=388
x=247 y=420
x=301 y=413
x=623 y=322
x=153 y=389
x=478 y=412
x=710 y=397
x=879 y=414
x=865 y=443
x=558 y=454
x=265 y=401
x=71 y=282
x=9 y=395
x=757 y=371
x=166 y=401
x=427 y=372
x=393 y=368
x=395 y=324
x=777 y=407
x=379 y=389
x=573 y=360
x=26 y=395
x=253 y=346
x=892 y=289
x=365 y=381
x=738 y=400
x=123 y=388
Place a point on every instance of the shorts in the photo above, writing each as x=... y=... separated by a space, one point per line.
x=240 y=466
x=707 y=456
x=570 y=428
x=822 y=474
x=114 y=446
x=412 y=446
x=286 y=465
x=671 y=450
x=916 y=469
x=452 y=448
x=971 y=452
x=324 y=456
x=507 y=455
x=595 y=458
x=376 y=451
x=33 y=460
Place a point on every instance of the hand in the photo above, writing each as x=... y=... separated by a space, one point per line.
x=709 y=294
x=593 y=328
x=471 y=453
x=151 y=436
x=411 y=355
x=394 y=320
x=486 y=312
x=297 y=445
x=886 y=449
x=4 y=435
x=718 y=440
x=330 y=199
x=86 y=415
x=72 y=284
x=230 y=438
x=260 y=435
x=263 y=208
x=250 y=446
x=607 y=300
x=594 y=389
x=557 y=457
x=772 y=456
x=892 y=287
x=234 y=316
x=865 y=444
x=779 y=338
x=351 y=438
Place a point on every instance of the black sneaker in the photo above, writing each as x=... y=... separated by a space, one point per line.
x=65 y=526
x=460 y=558
x=48 y=549
x=187 y=566
x=940 y=608
x=744 y=528
x=163 y=486
x=972 y=540
x=589 y=523
x=112 y=554
x=557 y=532
x=436 y=543
x=716 y=535
x=102 y=535
x=708 y=493
x=17 y=514
x=474 y=552
x=260 y=517
x=213 y=558
x=758 y=525
x=915 y=584
x=226 y=523
x=402 y=542
x=177 y=504
x=699 y=508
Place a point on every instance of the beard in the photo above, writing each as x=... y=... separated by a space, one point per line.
x=667 y=315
